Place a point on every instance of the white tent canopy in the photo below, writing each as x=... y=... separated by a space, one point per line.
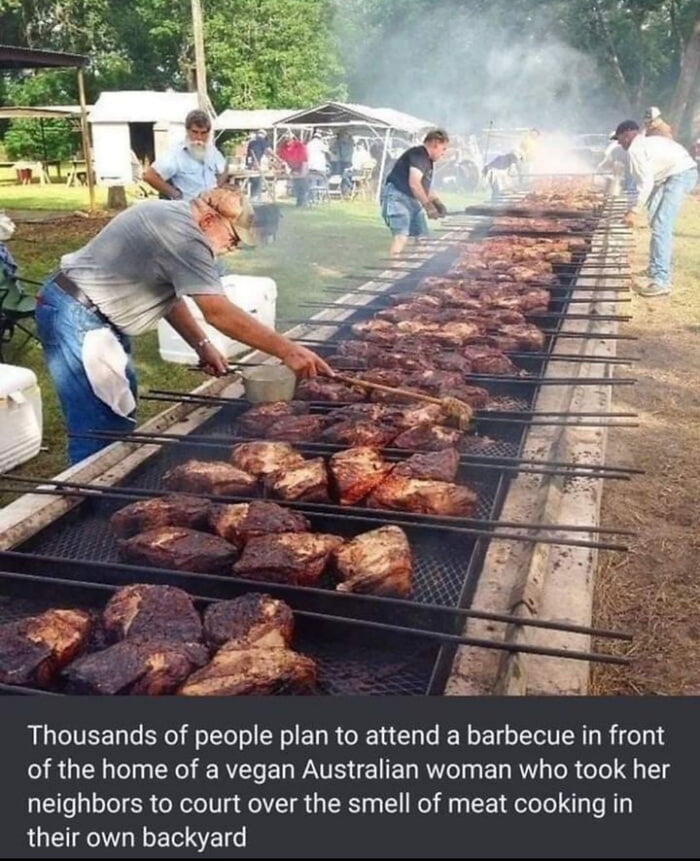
x=143 y=106
x=243 y=121
x=339 y=114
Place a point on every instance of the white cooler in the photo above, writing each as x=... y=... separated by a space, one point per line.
x=256 y=296
x=20 y=416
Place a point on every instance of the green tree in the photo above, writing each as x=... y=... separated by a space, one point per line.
x=41 y=139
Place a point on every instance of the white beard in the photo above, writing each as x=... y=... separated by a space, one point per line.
x=197 y=150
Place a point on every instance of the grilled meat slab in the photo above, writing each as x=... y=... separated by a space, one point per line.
x=237 y=524
x=179 y=548
x=253 y=672
x=356 y=472
x=328 y=390
x=296 y=429
x=212 y=477
x=174 y=509
x=436 y=465
x=137 y=667
x=258 y=419
x=428 y=437
x=307 y=482
x=33 y=650
x=253 y=620
x=293 y=557
x=152 y=613
x=260 y=458
x=378 y=562
x=359 y=432
x=421 y=496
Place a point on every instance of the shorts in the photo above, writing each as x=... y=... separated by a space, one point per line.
x=402 y=214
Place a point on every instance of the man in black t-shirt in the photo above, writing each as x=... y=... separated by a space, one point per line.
x=406 y=197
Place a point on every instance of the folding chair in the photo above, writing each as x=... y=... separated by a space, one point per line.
x=16 y=306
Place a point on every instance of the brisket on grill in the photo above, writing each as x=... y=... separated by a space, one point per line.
x=35 y=649
x=174 y=509
x=152 y=613
x=237 y=524
x=436 y=465
x=212 y=477
x=137 y=667
x=307 y=482
x=299 y=558
x=179 y=548
x=261 y=458
x=427 y=437
x=355 y=472
x=378 y=562
x=421 y=496
x=252 y=672
x=254 y=619
x=328 y=390
x=359 y=432
x=296 y=429
x=257 y=420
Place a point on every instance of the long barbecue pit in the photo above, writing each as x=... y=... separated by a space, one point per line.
x=366 y=520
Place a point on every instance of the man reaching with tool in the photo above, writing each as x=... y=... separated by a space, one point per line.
x=663 y=173
x=406 y=197
x=137 y=270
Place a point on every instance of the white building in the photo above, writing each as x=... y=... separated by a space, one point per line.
x=143 y=121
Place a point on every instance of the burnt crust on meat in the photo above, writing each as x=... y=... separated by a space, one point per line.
x=253 y=620
x=179 y=548
x=239 y=523
x=151 y=612
x=173 y=509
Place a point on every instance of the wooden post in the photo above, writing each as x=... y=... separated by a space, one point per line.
x=85 y=134
x=200 y=64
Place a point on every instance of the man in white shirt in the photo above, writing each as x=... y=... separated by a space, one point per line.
x=663 y=173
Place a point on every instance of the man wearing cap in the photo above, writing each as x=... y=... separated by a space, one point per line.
x=137 y=270
x=654 y=124
x=406 y=197
x=663 y=173
x=192 y=166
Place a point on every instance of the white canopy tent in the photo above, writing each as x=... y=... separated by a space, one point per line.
x=381 y=122
x=245 y=121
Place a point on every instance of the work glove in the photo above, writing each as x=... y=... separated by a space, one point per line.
x=440 y=206
x=431 y=210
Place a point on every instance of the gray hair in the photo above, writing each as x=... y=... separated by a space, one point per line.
x=198 y=118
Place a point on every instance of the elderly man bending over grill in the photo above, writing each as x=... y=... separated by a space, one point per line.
x=663 y=173
x=406 y=197
x=137 y=270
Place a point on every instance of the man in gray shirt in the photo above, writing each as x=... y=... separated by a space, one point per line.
x=137 y=270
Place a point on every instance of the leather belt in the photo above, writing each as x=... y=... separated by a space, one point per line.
x=60 y=279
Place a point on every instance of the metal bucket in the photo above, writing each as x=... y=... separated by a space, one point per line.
x=269 y=383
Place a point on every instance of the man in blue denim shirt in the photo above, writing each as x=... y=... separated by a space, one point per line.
x=191 y=167
x=137 y=270
x=663 y=173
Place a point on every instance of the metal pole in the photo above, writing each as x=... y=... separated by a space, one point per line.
x=380 y=178
x=200 y=64
x=85 y=134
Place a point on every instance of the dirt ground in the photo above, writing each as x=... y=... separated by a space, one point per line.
x=654 y=591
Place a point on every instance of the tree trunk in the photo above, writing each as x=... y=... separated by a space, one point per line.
x=690 y=67
x=624 y=88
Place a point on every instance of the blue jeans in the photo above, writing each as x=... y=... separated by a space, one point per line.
x=402 y=214
x=61 y=324
x=664 y=206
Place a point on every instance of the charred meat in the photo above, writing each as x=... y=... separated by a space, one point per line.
x=299 y=558
x=237 y=524
x=261 y=458
x=359 y=432
x=436 y=465
x=421 y=496
x=137 y=667
x=174 y=509
x=378 y=562
x=257 y=420
x=328 y=390
x=211 y=477
x=152 y=613
x=253 y=620
x=296 y=429
x=307 y=482
x=179 y=548
x=428 y=437
x=35 y=649
x=356 y=472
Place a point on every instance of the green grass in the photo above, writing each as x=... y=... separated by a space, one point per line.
x=315 y=248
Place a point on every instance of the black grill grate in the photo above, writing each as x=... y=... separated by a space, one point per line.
x=447 y=565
